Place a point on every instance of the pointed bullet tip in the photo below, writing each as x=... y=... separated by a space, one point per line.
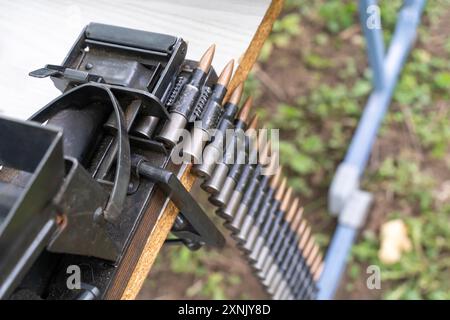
x=237 y=94
x=286 y=200
x=272 y=160
x=254 y=122
x=301 y=228
x=206 y=59
x=227 y=72
x=264 y=153
x=308 y=249
x=276 y=178
x=312 y=256
x=293 y=209
x=245 y=110
x=298 y=217
x=305 y=237
x=318 y=273
x=281 y=189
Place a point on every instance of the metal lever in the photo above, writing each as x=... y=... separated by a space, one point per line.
x=51 y=70
x=192 y=212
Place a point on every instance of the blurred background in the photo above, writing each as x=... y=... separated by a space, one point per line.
x=311 y=82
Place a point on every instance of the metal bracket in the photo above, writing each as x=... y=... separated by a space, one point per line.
x=346 y=199
x=200 y=228
x=51 y=70
x=356 y=209
x=81 y=199
x=345 y=183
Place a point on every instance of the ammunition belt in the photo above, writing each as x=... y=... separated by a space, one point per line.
x=261 y=213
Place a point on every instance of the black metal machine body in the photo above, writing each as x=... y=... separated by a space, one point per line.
x=74 y=189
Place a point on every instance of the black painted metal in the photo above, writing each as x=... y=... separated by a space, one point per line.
x=78 y=203
x=200 y=228
x=30 y=220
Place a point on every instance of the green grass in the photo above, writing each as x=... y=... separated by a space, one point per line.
x=212 y=284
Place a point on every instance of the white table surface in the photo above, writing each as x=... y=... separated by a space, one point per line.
x=35 y=33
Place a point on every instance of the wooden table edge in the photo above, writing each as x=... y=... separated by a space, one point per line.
x=165 y=221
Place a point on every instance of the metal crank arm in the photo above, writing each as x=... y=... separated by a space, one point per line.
x=200 y=229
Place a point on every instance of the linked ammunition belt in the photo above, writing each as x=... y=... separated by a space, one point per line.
x=87 y=197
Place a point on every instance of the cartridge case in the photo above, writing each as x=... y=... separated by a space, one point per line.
x=282 y=258
x=262 y=196
x=145 y=127
x=214 y=151
x=217 y=179
x=254 y=230
x=232 y=161
x=224 y=195
x=226 y=190
x=209 y=116
x=273 y=245
x=235 y=199
x=171 y=132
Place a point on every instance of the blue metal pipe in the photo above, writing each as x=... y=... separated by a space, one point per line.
x=378 y=103
x=335 y=261
x=365 y=135
x=369 y=16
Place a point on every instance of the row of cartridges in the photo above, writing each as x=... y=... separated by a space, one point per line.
x=242 y=176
